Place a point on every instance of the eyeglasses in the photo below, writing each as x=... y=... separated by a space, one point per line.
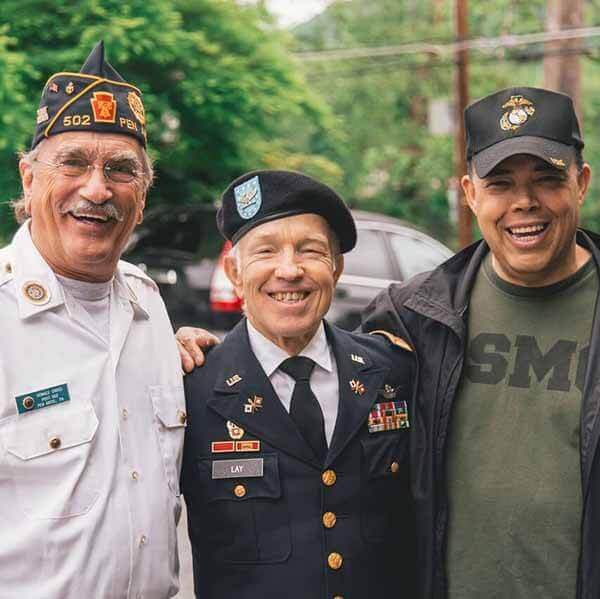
x=117 y=172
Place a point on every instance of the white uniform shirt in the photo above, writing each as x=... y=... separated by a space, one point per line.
x=323 y=380
x=89 y=487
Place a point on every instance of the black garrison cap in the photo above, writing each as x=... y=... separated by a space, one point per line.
x=521 y=120
x=95 y=99
x=262 y=196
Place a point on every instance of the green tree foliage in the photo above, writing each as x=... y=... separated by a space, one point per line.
x=390 y=160
x=220 y=87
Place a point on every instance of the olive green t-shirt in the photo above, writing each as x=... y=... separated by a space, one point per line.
x=513 y=451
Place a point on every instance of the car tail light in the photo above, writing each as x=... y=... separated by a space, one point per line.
x=222 y=294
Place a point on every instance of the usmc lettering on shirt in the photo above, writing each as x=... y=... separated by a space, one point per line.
x=495 y=357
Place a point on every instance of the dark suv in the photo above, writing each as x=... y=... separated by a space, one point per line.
x=181 y=249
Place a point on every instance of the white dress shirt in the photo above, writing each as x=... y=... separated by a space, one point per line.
x=323 y=380
x=89 y=487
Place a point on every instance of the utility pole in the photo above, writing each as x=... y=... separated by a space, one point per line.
x=562 y=68
x=461 y=99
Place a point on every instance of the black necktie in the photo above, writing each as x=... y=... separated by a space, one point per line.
x=305 y=409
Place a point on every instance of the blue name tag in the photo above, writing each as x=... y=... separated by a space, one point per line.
x=42 y=398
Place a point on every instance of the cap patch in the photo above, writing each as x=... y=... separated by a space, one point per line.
x=248 y=198
x=135 y=103
x=42 y=115
x=521 y=110
x=104 y=106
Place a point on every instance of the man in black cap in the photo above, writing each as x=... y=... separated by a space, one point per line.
x=295 y=468
x=507 y=484
x=92 y=411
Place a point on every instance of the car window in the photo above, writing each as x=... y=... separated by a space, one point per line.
x=369 y=257
x=415 y=254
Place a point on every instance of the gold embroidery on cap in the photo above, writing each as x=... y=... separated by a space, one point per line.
x=522 y=109
x=135 y=103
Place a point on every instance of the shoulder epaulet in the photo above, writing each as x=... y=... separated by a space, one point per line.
x=6 y=268
x=393 y=339
x=130 y=270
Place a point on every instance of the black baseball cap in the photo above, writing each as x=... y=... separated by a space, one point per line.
x=95 y=99
x=265 y=195
x=522 y=120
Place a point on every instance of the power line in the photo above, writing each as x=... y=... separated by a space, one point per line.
x=397 y=64
x=480 y=44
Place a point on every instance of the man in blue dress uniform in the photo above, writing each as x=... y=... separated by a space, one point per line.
x=296 y=472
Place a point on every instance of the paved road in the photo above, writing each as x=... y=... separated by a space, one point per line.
x=185 y=558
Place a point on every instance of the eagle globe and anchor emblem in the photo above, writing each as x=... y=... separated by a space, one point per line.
x=521 y=110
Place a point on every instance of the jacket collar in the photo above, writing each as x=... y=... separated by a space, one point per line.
x=30 y=268
x=242 y=380
x=444 y=295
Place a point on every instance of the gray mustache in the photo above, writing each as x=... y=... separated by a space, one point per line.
x=83 y=207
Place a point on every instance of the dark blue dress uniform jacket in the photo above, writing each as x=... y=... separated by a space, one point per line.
x=271 y=540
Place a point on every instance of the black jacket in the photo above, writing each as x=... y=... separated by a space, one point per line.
x=430 y=311
x=269 y=540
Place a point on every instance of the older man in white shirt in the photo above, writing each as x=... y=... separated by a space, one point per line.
x=92 y=414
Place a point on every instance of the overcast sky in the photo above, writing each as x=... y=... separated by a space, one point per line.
x=292 y=12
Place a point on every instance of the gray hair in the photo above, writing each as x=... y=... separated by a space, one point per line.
x=19 y=206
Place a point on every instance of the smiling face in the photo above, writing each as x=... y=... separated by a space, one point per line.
x=528 y=212
x=285 y=272
x=80 y=224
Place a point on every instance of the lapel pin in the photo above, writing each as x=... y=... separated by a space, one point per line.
x=235 y=431
x=233 y=380
x=36 y=293
x=358 y=359
x=253 y=404
x=388 y=392
x=357 y=387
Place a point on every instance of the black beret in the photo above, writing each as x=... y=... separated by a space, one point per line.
x=95 y=99
x=261 y=196
x=521 y=120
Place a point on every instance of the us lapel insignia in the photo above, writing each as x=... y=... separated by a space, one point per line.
x=233 y=380
x=358 y=359
x=357 y=387
x=253 y=404
x=235 y=431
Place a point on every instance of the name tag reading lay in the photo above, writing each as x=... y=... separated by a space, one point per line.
x=34 y=400
x=237 y=468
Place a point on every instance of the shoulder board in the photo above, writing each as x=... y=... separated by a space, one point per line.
x=129 y=270
x=393 y=339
